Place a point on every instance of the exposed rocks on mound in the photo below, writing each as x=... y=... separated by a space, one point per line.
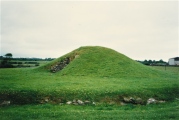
x=61 y=64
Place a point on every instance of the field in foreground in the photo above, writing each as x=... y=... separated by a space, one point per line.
x=165 y=111
x=98 y=75
x=24 y=86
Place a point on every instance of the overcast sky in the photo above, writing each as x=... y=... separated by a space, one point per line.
x=139 y=29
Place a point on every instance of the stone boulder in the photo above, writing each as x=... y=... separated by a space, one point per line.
x=129 y=100
x=5 y=103
x=69 y=102
x=80 y=102
x=138 y=101
x=151 y=101
x=87 y=102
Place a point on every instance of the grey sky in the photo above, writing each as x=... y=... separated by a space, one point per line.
x=139 y=29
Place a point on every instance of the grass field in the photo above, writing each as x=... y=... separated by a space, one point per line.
x=166 y=111
x=173 y=69
x=99 y=75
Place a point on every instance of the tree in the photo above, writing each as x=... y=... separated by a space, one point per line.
x=150 y=62
x=145 y=62
x=5 y=62
x=161 y=61
x=8 y=55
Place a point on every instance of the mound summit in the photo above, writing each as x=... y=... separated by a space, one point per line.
x=98 y=61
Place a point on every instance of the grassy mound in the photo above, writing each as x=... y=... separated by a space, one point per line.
x=101 y=62
x=89 y=73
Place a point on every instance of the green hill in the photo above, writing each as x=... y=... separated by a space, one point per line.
x=99 y=62
x=87 y=73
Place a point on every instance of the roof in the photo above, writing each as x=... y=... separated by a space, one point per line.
x=175 y=58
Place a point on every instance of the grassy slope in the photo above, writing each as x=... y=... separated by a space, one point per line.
x=103 y=62
x=97 y=74
x=26 y=81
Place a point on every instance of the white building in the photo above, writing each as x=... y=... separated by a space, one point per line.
x=174 y=61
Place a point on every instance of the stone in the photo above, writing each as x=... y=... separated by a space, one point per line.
x=75 y=103
x=4 y=103
x=126 y=100
x=129 y=100
x=138 y=101
x=132 y=100
x=122 y=103
x=161 y=101
x=76 y=56
x=69 y=102
x=80 y=102
x=87 y=102
x=151 y=101
x=61 y=103
x=46 y=99
x=93 y=103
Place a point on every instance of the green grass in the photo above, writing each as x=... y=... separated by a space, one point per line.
x=27 y=82
x=166 y=111
x=172 y=69
x=99 y=74
x=102 y=62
